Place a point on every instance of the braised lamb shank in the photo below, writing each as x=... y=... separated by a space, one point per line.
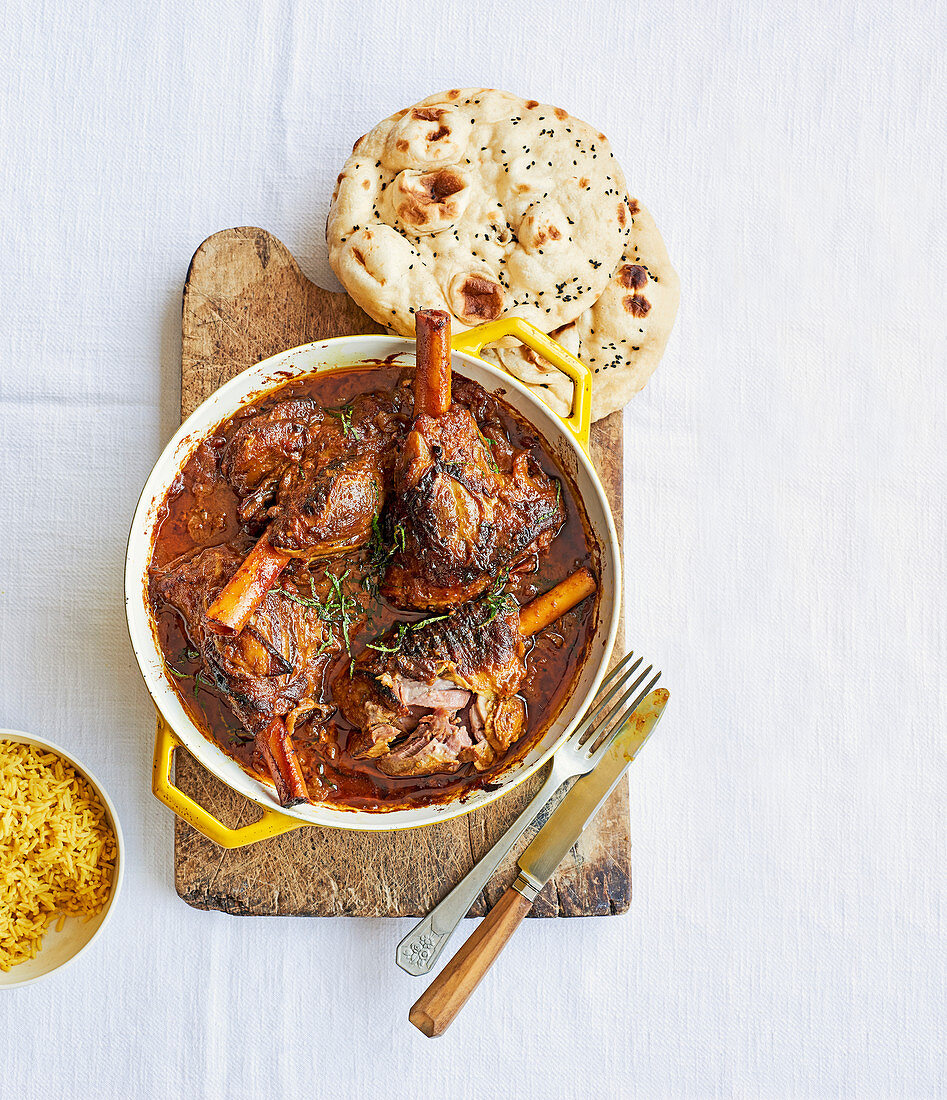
x=444 y=688
x=316 y=477
x=461 y=512
x=268 y=672
x=428 y=697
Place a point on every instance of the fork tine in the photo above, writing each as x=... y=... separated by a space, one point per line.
x=601 y=723
x=615 y=671
x=580 y=730
x=603 y=736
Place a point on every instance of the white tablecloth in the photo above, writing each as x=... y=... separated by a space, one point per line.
x=785 y=538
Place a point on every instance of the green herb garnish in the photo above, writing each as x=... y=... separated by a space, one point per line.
x=380 y=646
x=380 y=554
x=336 y=610
x=496 y=597
x=428 y=621
x=344 y=414
x=201 y=681
x=549 y=515
x=402 y=629
x=315 y=604
x=488 y=448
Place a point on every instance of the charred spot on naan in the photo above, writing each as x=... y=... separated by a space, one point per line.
x=429 y=202
x=637 y=305
x=474 y=298
x=632 y=276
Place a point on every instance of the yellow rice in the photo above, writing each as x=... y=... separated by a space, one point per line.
x=57 y=850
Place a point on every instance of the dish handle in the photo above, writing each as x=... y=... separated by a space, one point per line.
x=272 y=823
x=579 y=419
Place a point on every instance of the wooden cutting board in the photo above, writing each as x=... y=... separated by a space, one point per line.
x=246 y=299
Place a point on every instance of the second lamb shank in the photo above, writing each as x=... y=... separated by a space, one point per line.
x=316 y=476
x=431 y=696
x=269 y=673
x=461 y=513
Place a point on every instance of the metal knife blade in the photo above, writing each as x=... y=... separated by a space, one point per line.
x=568 y=821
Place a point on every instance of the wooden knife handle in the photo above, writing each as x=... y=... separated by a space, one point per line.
x=435 y=1009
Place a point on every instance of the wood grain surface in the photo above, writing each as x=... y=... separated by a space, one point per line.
x=245 y=299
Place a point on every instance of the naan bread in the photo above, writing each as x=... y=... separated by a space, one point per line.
x=621 y=337
x=480 y=203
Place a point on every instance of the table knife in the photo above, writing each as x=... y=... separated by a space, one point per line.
x=436 y=1008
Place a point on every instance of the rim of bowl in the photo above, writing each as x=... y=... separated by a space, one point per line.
x=22 y=737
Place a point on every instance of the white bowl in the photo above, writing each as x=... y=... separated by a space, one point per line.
x=324 y=356
x=62 y=947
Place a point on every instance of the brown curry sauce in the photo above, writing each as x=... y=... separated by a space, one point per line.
x=200 y=510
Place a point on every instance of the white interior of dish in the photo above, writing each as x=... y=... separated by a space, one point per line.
x=351 y=351
x=61 y=947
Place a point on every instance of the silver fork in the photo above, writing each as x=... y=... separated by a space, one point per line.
x=419 y=950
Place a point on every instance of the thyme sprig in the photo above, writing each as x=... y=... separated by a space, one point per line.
x=403 y=630
x=343 y=414
x=488 y=450
x=200 y=680
x=380 y=554
x=549 y=515
x=496 y=597
x=337 y=609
